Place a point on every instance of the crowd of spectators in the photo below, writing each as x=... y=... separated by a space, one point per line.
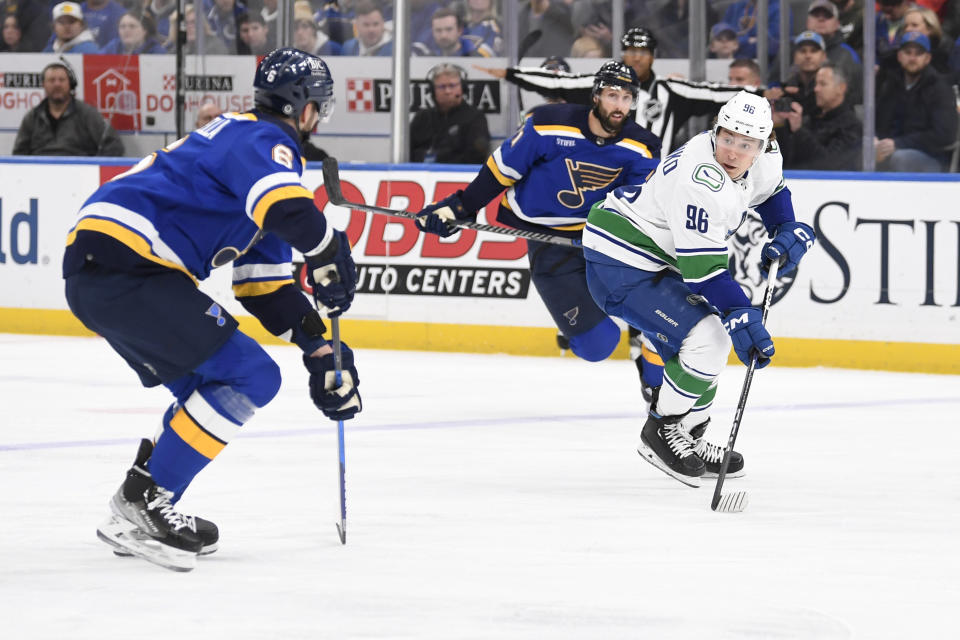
x=917 y=51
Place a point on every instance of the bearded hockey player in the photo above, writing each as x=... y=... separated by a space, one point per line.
x=564 y=158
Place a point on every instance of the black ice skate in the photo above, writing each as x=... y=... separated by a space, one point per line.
x=144 y=522
x=665 y=445
x=712 y=455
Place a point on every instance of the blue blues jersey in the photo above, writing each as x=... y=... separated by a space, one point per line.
x=485 y=32
x=228 y=192
x=554 y=169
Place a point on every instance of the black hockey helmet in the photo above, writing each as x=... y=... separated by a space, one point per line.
x=288 y=79
x=555 y=63
x=619 y=75
x=640 y=38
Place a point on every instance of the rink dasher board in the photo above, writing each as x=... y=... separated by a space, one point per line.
x=879 y=290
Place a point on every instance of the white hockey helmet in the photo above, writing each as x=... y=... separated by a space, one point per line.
x=747 y=114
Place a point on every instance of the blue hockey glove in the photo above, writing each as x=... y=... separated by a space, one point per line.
x=333 y=275
x=793 y=239
x=441 y=217
x=337 y=403
x=749 y=336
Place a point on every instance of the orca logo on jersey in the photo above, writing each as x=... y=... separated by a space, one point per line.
x=282 y=155
x=585 y=176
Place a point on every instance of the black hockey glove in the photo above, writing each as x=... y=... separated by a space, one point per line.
x=333 y=275
x=337 y=403
x=441 y=217
x=792 y=241
x=749 y=336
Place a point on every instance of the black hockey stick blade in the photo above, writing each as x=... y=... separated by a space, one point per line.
x=331 y=179
x=342 y=532
x=528 y=41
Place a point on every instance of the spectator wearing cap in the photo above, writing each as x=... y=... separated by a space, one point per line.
x=823 y=17
x=103 y=17
x=723 y=41
x=372 y=39
x=916 y=118
x=743 y=16
x=483 y=26
x=829 y=139
x=925 y=21
x=809 y=54
x=70 y=32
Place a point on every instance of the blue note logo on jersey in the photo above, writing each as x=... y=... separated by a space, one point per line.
x=584 y=177
x=216 y=312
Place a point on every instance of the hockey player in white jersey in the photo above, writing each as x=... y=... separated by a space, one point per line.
x=657 y=258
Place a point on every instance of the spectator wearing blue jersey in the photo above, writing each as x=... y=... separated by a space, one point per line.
x=102 y=18
x=483 y=25
x=223 y=20
x=743 y=15
x=889 y=28
x=372 y=39
x=308 y=37
x=137 y=34
x=447 y=39
x=227 y=195
x=70 y=32
x=421 y=14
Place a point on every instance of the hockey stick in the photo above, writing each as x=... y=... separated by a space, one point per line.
x=338 y=372
x=331 y=179
x=737 y=501
x=528 y=41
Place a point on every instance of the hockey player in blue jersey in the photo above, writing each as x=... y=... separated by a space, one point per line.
x=228 y=193
x=563 y=158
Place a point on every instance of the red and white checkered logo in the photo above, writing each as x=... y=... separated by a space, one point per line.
x=359 y=95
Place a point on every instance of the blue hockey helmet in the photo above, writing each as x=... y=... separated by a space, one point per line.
x=288 y=79
x=618 y=75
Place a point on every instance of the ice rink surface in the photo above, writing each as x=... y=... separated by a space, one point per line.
x=488 y=497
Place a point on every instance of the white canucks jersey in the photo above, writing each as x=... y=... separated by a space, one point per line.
x=681 y=218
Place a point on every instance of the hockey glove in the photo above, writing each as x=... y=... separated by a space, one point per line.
x=441 y=217
x=333 y=275
x=749 y=336
x=337 y=403
x=793 y=239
